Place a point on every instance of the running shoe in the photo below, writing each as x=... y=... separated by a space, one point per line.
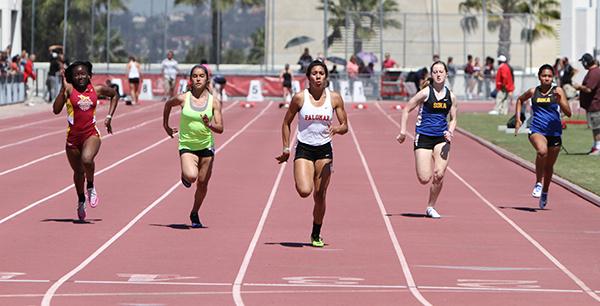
x=543 y=200
x=317 y=242
x=537 y=190
x=81 y=211
x=185 y=182
x=432 y=213
x=92 y=197
x=195 y=220
x=594 y=151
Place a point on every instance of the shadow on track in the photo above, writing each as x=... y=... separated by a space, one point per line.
x=410 y=215
x=74 y=221
x=179 y=226
x=521 y=208
x=291 y=244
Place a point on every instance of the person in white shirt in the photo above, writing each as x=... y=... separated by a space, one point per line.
x=169 y=70
x=314 y=155
x=134 y=74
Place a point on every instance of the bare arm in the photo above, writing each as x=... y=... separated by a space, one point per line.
x=453 y=118
x=338 y=105
x=294 y=108
x=415 y=101
x=217 y=125
x=562 y=101
x=175 y=101
x=524 y=97
x=114 y=101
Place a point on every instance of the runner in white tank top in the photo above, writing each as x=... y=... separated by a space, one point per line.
x=314 y=121
x=312 y=162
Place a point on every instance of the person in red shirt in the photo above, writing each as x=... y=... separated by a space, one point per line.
x=504 y=87
x=83 y=137
x=388 y=62
x=589 y=98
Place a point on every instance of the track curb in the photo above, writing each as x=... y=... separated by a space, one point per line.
x=585 y=194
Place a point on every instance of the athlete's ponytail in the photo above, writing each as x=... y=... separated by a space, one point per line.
x=427 y=82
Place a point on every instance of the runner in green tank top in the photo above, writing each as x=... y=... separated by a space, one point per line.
x=200 y=117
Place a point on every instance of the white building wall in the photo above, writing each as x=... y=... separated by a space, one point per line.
x=578 y=27
x=10 y=25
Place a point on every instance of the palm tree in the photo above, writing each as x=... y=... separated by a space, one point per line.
x=49 y=12
x=364 y=14
x=217 y=7
x=501 y=12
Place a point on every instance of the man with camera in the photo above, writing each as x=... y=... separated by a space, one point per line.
x=589 y=98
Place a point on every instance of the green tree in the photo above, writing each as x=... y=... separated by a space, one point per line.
x=364 y=14
x=257 y=52
x=501 y=12
x=49 y=16
x=197 y=53
x=217 y=8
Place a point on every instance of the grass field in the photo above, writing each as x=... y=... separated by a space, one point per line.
x=576 y=166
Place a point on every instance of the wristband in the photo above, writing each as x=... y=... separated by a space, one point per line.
x=286 y=149
x=108 y=116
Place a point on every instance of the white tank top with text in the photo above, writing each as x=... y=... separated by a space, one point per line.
x=314 y=122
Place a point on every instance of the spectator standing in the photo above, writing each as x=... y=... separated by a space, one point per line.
x=305 y=60
x=589 y=98
x=451 y=71
x=504 y=86
x=388 y=62
x=469 y=82
x=28 y=71
x=566 y=78
x=52 y=79
x=488 y=75
x=169 y=71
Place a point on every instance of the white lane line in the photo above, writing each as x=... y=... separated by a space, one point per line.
x=399 y=253
x=237 y=283
x=151 y=283
x=28 y=207
x=52 y=290
x=183 y=293
x=536 y=244
x=293 y=291
x=104 y=137
x=24 y=281
x=61 y=130
x=50 y=119
x=38 y=202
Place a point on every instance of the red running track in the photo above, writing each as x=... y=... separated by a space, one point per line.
x=492 y=246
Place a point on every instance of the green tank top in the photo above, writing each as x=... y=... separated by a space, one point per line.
x=194 y=135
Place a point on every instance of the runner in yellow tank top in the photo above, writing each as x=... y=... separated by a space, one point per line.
x=200 y=116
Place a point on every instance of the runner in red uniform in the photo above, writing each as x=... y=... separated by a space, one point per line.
x=83 y=137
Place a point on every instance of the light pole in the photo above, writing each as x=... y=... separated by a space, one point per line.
x=64 y=44
x=108 y=36
x=32 y=25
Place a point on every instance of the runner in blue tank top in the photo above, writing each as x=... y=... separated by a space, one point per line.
x=545 y=130
x=434 y=131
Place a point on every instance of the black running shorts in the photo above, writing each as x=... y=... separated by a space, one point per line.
x=199 y=153
x=313 y=153
x=427 y=142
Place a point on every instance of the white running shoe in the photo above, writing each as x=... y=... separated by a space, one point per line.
x=92 y=197
x=537 y=190
x=432 y=213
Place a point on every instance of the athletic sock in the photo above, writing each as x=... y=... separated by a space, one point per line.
x=90 y=185
x=316 y=230
x=597 y=144
x=81 y=197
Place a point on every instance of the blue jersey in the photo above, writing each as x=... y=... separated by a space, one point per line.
x=431 y=120
x=546 y=113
